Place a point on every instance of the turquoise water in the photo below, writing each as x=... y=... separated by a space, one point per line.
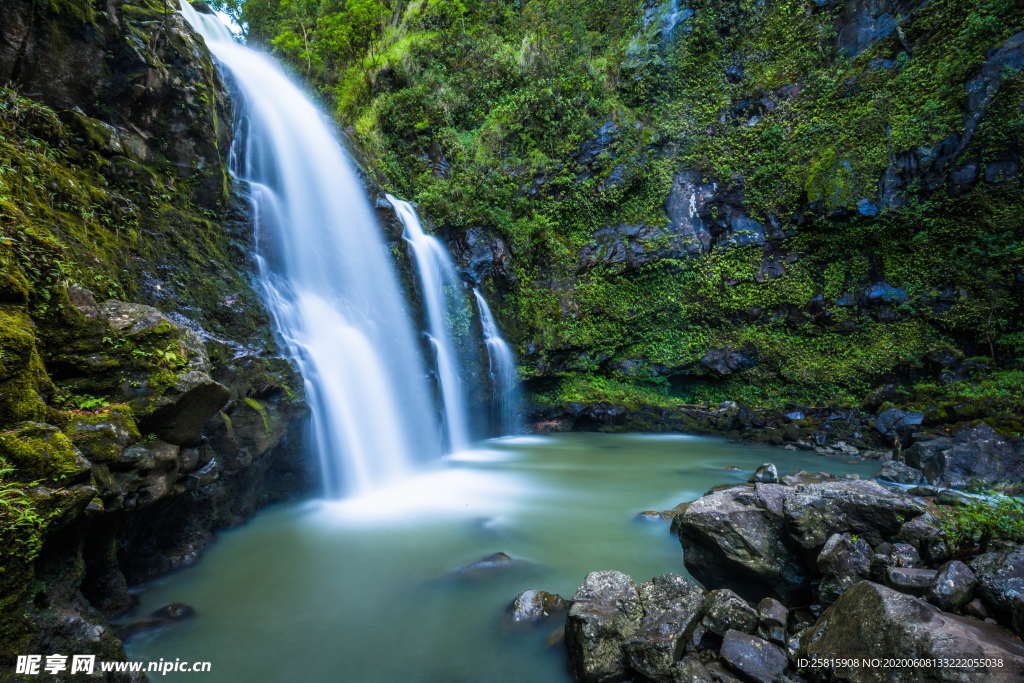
x=355 y=590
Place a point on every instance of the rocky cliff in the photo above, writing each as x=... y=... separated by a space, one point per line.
x=782 y=204
x=143 y=402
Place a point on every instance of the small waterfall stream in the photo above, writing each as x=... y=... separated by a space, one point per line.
x=327 y=277
x=443 y=298
x=502 y=369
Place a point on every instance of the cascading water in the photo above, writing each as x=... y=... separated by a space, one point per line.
x=326 y=276
x=443 y=299
x=502 y=367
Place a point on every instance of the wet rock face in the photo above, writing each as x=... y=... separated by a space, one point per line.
x=870 y=620
x=974 y=456
x=704 y=214
x=141 y=70
x=928 y=168
x=701 y=215
x=862 y=22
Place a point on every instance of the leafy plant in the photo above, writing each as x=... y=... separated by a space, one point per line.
x=977 y=524
x=80 y=401
x=18 y=515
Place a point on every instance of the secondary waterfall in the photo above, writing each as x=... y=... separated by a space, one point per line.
x=326 y=276
x=443 y=299
x=502 y=368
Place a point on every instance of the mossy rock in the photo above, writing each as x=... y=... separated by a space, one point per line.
x=41 y=452
x=101 y=435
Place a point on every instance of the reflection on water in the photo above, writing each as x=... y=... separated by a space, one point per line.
x=348 y=590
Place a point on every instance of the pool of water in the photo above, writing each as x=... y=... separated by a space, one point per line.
x=356 y=590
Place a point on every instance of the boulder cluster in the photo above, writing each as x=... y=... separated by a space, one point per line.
x=805 y=577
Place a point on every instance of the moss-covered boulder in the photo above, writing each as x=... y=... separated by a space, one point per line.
x=41 y=452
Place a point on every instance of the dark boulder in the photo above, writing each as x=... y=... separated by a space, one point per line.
x=896 y=423
x=605 y=614
x=690 y=669
x=772 y=620
x=976 y=456
x=901 y=473
x=737 y=537
x=753 y=658
x=912 y=580
x=844 y=561
x=1001 y=585
x=893 y=555
x=671 y=604
x=816 y=511
x=870 y=621
x=724 y=610
x=953 y=586
x=926 y=535
x=724 y=362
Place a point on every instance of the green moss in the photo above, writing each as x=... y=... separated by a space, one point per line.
x=591 y=389
x=100 y=435
x=39 y=451
x=261 y=410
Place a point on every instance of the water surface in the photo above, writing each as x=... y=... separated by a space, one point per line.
x=354 y=590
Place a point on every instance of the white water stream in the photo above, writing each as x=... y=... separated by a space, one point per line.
x=327 y=277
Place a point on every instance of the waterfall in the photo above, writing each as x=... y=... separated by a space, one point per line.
x=443 y=299
x=502 y=368
x=326 y=276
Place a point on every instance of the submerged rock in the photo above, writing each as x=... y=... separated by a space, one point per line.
x=534 y=606
x=168 y=614
x=487 y=567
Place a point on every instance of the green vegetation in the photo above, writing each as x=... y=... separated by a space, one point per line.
x=481 y=110
x=976 y=525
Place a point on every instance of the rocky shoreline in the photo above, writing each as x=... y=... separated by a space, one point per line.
x=967 y=454
x=806 y=577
